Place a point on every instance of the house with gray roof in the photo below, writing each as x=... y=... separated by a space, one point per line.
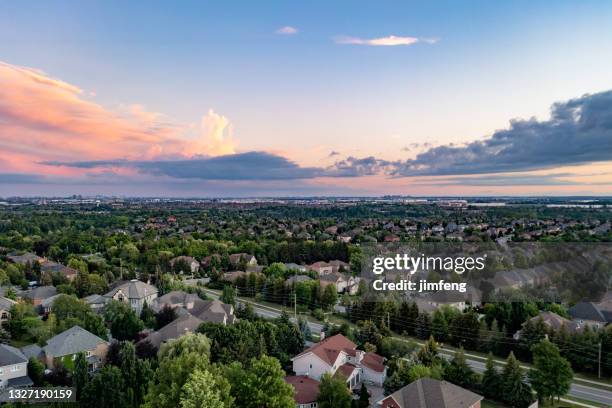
x=13 y=367
x=66 y=345
x=430 y=393
x=184 y=324
x=588 y=313
x=39 y=294
x=96 y=302
x=135 y=293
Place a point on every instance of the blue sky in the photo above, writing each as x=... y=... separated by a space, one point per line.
x=476 y=66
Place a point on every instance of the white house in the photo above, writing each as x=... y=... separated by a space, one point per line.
x=339 y=354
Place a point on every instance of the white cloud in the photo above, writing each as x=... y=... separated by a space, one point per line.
x=287 y=30
x=388 y=41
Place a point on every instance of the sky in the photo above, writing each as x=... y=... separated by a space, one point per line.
x=287 y=98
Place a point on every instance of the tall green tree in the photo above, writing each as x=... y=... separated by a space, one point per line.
x=333 y=392
x=552 y=374
x=516 y=392
x=260 y=385
x=491 y=379
x=136 y=373
x=459 y=372
x=177 y=360
x=228 y=295
x=80 y=374
x=105 y=390
x=123 y=322
x=203 y=389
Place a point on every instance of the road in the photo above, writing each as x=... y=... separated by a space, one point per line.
x=580 y=391
x=577 y=390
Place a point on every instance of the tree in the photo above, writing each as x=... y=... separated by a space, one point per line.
x=428 y=354
x=491 y=379
x=105 y=390
x=122 y=320
x=36 y=371
x=516 y=392
x=228 y=295
x=459 y=372
x=364 y=397
x=423 y=326
x=178 y=358
x=329 y=297
x=147 y=315
x=166 y=315
x=260 y=385
x=552 y=374
x=202 y=389
x=333 y=392
x=80 y=374
x=136 y=373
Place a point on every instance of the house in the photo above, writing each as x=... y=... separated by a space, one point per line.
x=13 y=367
x=213 y=311
x=135 y=293
x=173 y=330
x=453 y=299
x=96 y=302
x=175 y=298
x=334 y=278
x=430 y=393
x=5 y=309
x=37 y=295
x=47 y=304
x=306 y=391
x=552 y=321
x=237 y=259
x=337 y=354
x=295 y=267
x=588 y=313
x=188 y=261
x=25 y=258
x=54 y=268
x=321 y=268
x=297 y=279
x=66 y=345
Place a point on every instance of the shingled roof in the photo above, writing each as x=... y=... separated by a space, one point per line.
x=430 y=393
x=10 y=355
x=328 y=349
x=133 y=289
x=72 y=341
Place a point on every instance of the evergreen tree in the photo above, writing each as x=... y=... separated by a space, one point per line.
x=439 y=326
x=459 y=372
x=516 y=392
x=80 y=374
x=147 y=315
x=428 y=354
x=228 y=295
x=364 y=397
x=105 y=390
x=491 y=379
x=423 y=326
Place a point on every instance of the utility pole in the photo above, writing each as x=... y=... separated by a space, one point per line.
x=599 y=361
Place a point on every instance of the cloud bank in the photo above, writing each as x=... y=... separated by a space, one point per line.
x=579 y=131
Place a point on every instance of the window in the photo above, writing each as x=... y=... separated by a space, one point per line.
x=1 y=371
x=88 y=354
x=15 y=368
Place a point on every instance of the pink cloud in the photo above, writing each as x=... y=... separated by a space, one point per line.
x=43 y=118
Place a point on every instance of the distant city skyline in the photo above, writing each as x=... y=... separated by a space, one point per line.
x=341 y=98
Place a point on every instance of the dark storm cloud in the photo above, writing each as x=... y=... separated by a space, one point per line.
x=578 y=132
x=243 y=166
